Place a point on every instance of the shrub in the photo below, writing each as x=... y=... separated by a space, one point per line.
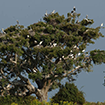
x=69 y=93
x=8 y=100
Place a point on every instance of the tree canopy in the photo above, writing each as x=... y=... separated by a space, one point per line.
x=46 y=52
x=69 y=93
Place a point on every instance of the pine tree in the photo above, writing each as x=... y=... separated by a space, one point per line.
x=46 y=52
x=69 y=92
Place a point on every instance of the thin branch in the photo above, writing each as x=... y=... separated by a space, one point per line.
x=11 y=59
x=27 y=70
x=27 y=54
x=3 y=76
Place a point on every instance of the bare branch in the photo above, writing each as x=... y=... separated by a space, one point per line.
x=11 y=59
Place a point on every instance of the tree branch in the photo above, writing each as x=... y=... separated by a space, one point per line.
x=11 y=59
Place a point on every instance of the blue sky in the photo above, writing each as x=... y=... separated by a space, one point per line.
x=31 y=11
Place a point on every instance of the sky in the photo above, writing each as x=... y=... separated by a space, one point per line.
x=31 y=11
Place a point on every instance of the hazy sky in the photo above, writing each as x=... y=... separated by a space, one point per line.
x=31 y=11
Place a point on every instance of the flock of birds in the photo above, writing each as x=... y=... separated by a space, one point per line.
x=46 y=14
x=73 y=11
x=55 y=44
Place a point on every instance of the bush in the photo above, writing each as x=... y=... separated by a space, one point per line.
x=8 y=100
x=69 y=93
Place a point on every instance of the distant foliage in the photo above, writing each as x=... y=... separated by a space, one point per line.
x=30 y=100
x=13 y=100
x=69 y=93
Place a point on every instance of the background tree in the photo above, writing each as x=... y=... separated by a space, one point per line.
x=46 y=52
x=69 y=93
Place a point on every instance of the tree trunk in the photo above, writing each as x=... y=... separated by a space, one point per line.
x=42 y=92
x=43 y=95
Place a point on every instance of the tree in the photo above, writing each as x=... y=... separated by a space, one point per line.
x=46 y=52
x=69 y=93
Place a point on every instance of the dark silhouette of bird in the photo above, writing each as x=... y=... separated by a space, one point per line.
x=72 y=11
x=74 y=8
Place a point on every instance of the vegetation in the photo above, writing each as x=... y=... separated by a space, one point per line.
x=46 y=52
x=8 y=100
x=33 y=101
x=69 y=93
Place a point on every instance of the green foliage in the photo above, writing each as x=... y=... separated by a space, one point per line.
x=69 y=93
x=34 y=76
x=43 y=51
x=30 y=100
x=8 y=100
x=36 y=102
x=98 y=56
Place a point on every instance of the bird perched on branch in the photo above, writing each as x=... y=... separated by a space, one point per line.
x=74 y=8
x=28 y=36
x=3 y=31
x=102 y=24
x=86 y=16
x=46 y=13
x=40 y=42
x=53 y=12
x=34 y=70
x=17 y=22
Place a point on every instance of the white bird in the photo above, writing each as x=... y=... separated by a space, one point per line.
x=86 y=19
x=71 y=51
x=17 y=22
x=53 y=11
x=102 y=24
x=50 y=44
x=54 y=44
x=40 y=42
x=60 y=59
x=28 y=36
x=35 y=41
x=75 y=46
x=62 y=56
x=46 y=13
x=71 y=55
x=86 y=16
x=87 y=30
x=77 y=67
x=79 y=54
x=8 y=85
x=83 y=50
x=3 y=31
x=34 y=70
